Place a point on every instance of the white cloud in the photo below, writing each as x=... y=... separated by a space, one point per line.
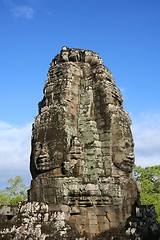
x=23 y=12
x=19 y=11
x=146 y=132
x=14 y=152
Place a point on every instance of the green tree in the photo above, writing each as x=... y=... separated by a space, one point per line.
x=149 y=178
x=4 y=199
x=16 y=192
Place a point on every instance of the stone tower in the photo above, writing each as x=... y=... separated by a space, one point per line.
x=81 y=162
x=82 y=147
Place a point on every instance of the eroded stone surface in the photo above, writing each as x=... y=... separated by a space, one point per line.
x=82 y=156
x=82 y=146
x=81 y=129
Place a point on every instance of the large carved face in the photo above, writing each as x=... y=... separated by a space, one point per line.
x=47 y=154
x=48 y=141
x=43 y=156
x=123 y=146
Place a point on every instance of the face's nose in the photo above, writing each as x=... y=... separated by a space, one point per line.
x=43 y=152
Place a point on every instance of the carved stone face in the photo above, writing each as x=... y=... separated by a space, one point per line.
x=48 y=141
x=43 y=157
x=123 y=156
x=123 y=146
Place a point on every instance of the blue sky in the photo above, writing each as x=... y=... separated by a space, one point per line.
x=126 y=34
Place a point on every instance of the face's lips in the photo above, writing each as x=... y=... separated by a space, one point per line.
x=41 y=160
x=42 y=164
x=130 y=156
x=129 y=161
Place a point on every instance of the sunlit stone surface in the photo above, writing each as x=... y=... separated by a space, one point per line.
x=82 y=148
x=81 y=161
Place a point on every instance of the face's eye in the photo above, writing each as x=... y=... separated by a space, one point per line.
x=122 y=147
x=38 y=146
x=127 y=145
x=50 y=145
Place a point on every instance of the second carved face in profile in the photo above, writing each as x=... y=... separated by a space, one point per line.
x=122 y=143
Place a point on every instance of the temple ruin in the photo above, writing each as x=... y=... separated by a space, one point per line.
x=82 y=156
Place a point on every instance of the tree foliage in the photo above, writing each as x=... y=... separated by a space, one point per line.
x=16 y=192
x=149 y=178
